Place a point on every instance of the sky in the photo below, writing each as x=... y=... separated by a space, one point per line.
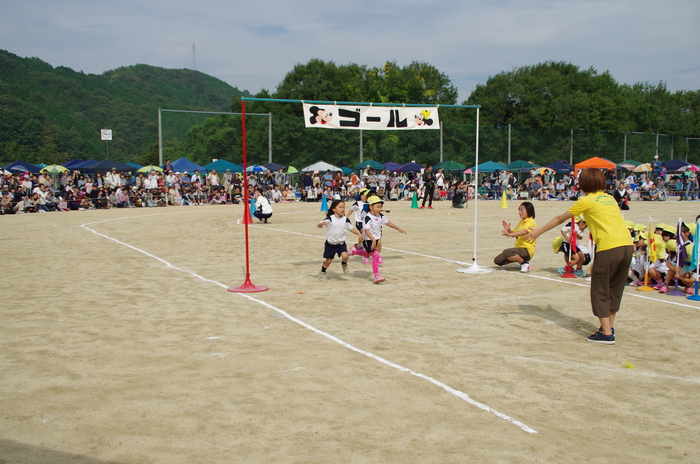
x=252 y=45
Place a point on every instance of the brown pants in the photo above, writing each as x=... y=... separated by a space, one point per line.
x=608 y=277
x=508 y=252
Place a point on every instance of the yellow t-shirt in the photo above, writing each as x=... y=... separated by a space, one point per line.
x=603 y=217
x=520 y=242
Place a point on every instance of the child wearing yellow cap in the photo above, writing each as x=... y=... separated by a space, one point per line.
x=372 y=234
x=359 y=209
x=579 y=254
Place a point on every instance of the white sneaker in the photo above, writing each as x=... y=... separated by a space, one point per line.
x=322 y=276
x=524 y=267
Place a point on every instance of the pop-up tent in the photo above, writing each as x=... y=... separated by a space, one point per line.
x=221 y=165
x=561 y=167
x=107 y=165
x=321 y=166
x=595 y=162
x=185 y=165
x=675 y=164
x=21 y=166
x=489 y=166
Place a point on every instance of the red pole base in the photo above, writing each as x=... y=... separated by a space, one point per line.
x=569 y=273
x=248 y=287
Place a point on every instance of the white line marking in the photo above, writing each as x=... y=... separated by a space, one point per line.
x=442 y=385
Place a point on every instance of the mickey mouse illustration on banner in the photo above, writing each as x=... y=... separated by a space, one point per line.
x=423 y=118
x=320 y=115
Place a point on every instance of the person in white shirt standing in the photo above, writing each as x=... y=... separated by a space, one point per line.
x=112 y=179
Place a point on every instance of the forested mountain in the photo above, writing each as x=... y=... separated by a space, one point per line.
x=54 y=114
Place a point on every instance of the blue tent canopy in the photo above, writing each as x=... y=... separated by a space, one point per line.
x=72 y=164
x=108 y=165
x=84 y=164
x=561 y=166
x=674 y=164
x=221 y=165
x=136 y=165
x=489 y=166
x=21 y=166
x=185 y=165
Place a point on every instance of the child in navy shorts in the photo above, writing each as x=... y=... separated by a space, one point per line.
x=337 y=230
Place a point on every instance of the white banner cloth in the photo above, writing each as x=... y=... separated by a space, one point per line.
x=371 y=117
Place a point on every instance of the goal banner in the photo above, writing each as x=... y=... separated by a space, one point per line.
x=371 y=117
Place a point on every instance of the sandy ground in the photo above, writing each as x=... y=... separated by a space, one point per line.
x=120 y=344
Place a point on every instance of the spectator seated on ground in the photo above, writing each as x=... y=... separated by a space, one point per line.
x=459 y=199
x=311 y=195
x=652 y=194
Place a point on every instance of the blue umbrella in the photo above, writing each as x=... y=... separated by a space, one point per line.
x=410 y=167
x=256 y=168
x=391 y=166
x=274 y=166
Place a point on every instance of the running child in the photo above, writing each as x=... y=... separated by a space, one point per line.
x=337 y=230
x=359 y=209
x=524 y=250
x=372 y=234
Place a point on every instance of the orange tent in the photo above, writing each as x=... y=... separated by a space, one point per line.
x=595 y=162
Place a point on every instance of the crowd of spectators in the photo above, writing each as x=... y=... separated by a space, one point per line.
x=75 y=190
x=647 y=186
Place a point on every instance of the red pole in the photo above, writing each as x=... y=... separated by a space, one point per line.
x=572 y=244
x=247 y=286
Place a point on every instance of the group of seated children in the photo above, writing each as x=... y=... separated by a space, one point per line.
x=664 y=256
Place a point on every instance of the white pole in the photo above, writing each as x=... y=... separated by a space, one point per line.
x=160 y=139
x=361 y=146
x=441 y=126
x=509 y=142
x=475 y=268
x=571 y=149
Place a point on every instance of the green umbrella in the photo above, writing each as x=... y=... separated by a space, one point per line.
x=371 y=164
x=292 y=170
x=450 y=166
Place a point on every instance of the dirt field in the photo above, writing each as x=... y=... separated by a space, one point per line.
x=120 y=344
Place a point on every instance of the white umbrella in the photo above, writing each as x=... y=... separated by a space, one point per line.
x=688 y=167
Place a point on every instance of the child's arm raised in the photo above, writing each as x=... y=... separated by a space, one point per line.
x=394 y=226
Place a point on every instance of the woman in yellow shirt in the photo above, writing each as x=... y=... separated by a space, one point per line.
x=523 y=250
x=613 y=249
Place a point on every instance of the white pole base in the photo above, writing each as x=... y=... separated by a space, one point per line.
x=475 y=269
